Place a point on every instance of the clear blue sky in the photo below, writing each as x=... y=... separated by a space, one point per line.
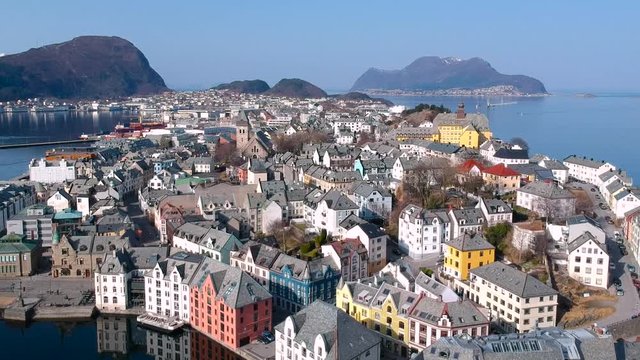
x=586 y=45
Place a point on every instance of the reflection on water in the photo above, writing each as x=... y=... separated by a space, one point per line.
x=119 y=336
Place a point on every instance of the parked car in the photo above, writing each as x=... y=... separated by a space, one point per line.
x=636 y=283
x=267 y=336
x=616 y=233
x=631 y=268
x=620 y=292
x=612 y=265
x=634 y=276
x=593 y=189
x=617 y=283
x=625 y=252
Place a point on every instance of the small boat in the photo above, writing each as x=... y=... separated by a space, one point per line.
x=83 y=137
x=160 y=323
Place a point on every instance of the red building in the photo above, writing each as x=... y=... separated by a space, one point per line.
x=229 y=306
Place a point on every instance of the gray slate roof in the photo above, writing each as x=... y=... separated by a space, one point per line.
x=515 y=281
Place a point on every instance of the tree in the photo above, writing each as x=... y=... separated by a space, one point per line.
x=496 y=235
x=281 y=232
x=224 y=153
x=363 y=138
x=427 y=180
x=165 y=142
x=472 y=184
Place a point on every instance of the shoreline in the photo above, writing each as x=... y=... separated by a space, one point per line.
x=402 y=93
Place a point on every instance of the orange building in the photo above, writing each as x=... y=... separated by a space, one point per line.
x=230 y=307
x=501 y=179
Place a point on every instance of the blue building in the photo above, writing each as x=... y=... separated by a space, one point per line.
x=296 y=283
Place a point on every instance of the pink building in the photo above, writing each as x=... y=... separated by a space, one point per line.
x=230 y=307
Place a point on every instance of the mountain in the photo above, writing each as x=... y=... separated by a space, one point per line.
x=296 y=88
x=85 y=67
x=244 y=86
x=434 y=73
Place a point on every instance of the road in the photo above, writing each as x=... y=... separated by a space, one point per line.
x=629 y=303
x=150 y=235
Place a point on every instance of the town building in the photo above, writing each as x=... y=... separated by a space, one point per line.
x=466 y=252
x=322 y=332
x=495 y=211
x=547 y=200
x=374 y=240
x=350 y=256
x=256 y=259
x=469 y=130
x=469 y=220
x=18 y=256
x=296 y=283
x=35 y=222
x=167 y=286
x=501 y=179
x=206 y=240
x=422 y=232
x=586 y=169
x=229 y=306
x=13 y=199
x=547 y=343
x=588 y=261
x=518 y=301
x=428 y=286
x=52 y=172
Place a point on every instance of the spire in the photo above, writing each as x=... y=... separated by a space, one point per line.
x=55 y=240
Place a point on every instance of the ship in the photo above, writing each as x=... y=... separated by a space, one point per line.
x=135 y=128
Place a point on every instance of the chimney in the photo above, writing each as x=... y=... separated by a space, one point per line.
x=460 y=112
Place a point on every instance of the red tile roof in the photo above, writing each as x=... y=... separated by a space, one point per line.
x=501 y=170
x=469 y=164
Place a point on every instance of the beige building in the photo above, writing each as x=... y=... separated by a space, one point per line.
x=517 y=301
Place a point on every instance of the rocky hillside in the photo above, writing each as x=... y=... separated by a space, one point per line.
x=244 y=86
x=296 y=88
x=434 y=73
x=85 y=67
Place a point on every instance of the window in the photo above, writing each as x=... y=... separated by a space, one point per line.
x=600 y=261
x=578 y=259
x=105 y=300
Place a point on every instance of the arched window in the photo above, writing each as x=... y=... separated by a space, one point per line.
x=105 y=300
x=115 y=300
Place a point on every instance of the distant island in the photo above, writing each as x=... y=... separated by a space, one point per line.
x=432 y=75
x=85 y=67
x=294 y=88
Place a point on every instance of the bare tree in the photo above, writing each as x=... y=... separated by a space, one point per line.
x=427 y=180
x=224 y=153
x=281 y=231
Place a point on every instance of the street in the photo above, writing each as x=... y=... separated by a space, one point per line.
x=149 y=235
x=629 y=303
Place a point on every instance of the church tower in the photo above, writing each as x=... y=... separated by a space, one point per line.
x=242 y=134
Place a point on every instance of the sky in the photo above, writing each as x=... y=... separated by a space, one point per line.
x=568 y=45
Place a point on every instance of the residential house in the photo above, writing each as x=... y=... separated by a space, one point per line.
x=255 y=259
x=373 y=201
x=350 y=256
x=518 y=301
x=60 y=200
x=469 y=220
x=422 y=232
x=589 y=261
x=206 y=240
x=322 y=332
x=501 y=179
x=584 y=169
x=466 y=252
x=374 y=240
x=333 y=207
x=495 y=211
x=428 y=286
x=559 y=170
x=547 y=200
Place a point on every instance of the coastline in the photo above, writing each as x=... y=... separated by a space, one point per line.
x=452 y=93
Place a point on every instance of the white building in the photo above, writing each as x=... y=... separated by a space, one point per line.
x=518 y=301
x=167 y=286
x=256 y=260
x=559 y=170
x=422 y=232
x=579 y=224
x=110 y=280
x=373 y=201
x=205 y=240
x=51 y=172
x=303 y=336
x=546 y=199
x=374 y=240
x=331 y=210
x=589 y=261
x=60 y=200
x=430 y=287
x=466 y=221
x=495 y=211
x=350 y=256
x=354 y=125
x=586 y=170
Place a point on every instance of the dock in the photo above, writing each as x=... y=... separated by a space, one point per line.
x=49 y=143
x=157 y=322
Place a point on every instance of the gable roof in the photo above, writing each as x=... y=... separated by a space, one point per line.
x=513 y=280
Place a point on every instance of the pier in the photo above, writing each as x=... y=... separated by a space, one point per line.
x=48 y=143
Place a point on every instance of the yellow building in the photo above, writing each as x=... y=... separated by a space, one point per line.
x=466 y=252
x=381 y=307
x=469 y=130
